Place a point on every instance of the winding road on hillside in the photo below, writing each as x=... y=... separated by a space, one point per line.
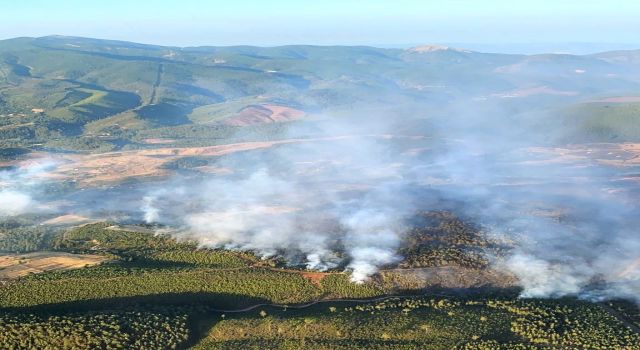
x=322 y=301
x=617 y=315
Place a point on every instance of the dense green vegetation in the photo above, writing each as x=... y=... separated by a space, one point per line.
x=19 y=234
x=436 y=322
x=158 y=294
x=145 y=249
x=149 y=265
x=107 y=236
x=24 y=239
x=97 y=95
x=85 y=95
x=425 y=323
x=568 y=324
x=627 y=309
x=277 y=287
x=152 y=328
x=442 y=239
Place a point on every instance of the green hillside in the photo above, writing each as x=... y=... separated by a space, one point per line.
x=55 y=89
x=157 y=293
x=603 y=122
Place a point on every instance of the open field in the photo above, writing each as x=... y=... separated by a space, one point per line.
x=107 y=167
x=68 y=219
x=14 y=266
x=264 y=114
x=611 y=154
x=110 y=167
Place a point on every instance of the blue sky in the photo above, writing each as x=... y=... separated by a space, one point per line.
x=343 y=22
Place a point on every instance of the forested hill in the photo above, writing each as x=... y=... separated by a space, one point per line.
x=116 y=94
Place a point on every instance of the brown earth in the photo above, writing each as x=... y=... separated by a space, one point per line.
x=264 y=114
x=612 y=154
x=315 y=277
x=91 y=169
x=69 y=219
x=158 y=141
x=18 y=265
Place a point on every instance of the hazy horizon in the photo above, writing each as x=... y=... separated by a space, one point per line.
x=493 y=25
x=574 y=48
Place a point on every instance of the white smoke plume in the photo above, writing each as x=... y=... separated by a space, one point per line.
x=306 y=203
x=587 y=243
x=541 y=278
x=14 y=203
x=151 y=213
x=17 y=185
x=344 y=202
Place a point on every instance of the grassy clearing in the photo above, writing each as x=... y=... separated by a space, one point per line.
x=220 y=111
x=98 y=104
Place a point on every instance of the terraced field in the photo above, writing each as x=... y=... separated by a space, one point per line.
x=20 y=265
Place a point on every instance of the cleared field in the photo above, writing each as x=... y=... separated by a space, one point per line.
x=158 y=141
x=611 y=154
x=131 y=228
x=261 y=114
x=69 y=219
x=18 y=265
x=90 y=169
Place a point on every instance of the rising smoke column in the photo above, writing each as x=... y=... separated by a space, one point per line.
x=588 y=249
x=305 y=202
x=345 y=202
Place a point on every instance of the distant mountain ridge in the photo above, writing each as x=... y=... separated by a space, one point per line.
x=110 y=92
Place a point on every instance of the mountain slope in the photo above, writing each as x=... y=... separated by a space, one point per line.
x=56 y=87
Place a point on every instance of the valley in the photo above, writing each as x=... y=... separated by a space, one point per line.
x=311 y=197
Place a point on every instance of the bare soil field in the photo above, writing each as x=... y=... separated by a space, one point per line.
x=611 y=154
x=18 y=265
x=91 y=169
x=158 y=141
x=315 y=277
x=264 y=114
x=69 y=219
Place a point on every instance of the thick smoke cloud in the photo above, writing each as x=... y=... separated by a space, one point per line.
x=572 y=222
x=337 y=202
x=345 y=201
x=18 y=185
x=14 y=203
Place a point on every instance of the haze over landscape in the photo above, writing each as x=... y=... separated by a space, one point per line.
x=529 y=27
x=335 y=175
